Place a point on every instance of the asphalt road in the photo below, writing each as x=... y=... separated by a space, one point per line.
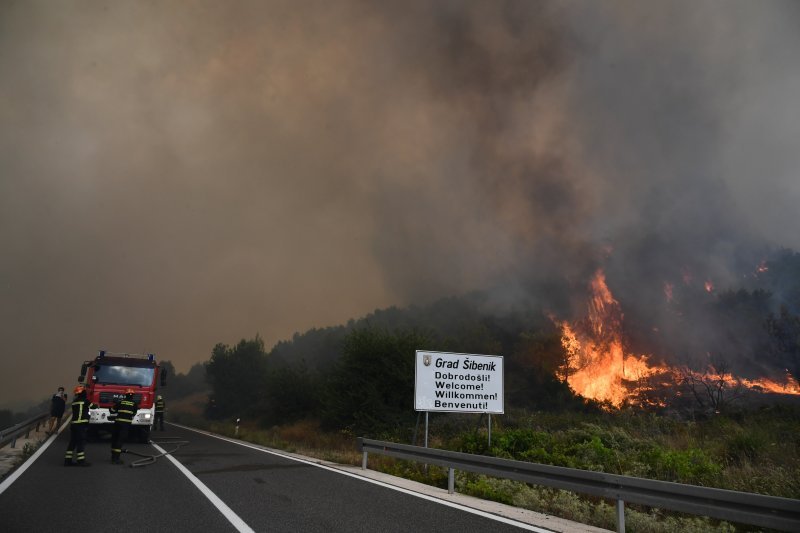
x=218 y=485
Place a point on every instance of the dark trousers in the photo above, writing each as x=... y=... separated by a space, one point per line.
x=159 y=421
x=118 y=437
x=77 y=443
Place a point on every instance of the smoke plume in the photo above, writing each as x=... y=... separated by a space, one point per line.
x=175 y=174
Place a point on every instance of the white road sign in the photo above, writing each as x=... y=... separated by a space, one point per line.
x=458 y=382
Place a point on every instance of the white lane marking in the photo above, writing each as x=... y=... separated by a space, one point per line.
x=521 y=525
x=24 y=466
x=226 y=511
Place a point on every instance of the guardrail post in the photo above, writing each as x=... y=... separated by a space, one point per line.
x=620 y=516
x=451 y=480
x=14 y=442
x=360 y=445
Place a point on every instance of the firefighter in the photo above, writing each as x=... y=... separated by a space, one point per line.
x=160 y=408
x=123 y=410
x=78 y=428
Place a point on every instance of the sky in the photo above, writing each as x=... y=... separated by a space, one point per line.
x=179 y=174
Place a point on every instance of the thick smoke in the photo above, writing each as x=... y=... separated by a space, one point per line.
x=180 y=174
x=614 y=136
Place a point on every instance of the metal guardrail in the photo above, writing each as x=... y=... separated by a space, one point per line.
x=11 y=434
x=733 y=506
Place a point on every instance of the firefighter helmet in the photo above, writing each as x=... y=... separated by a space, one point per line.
x=79 y=389
x=128 y=391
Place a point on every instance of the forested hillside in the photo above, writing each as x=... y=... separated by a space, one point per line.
x=359 y=376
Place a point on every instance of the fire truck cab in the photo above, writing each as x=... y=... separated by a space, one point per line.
x=106 y=378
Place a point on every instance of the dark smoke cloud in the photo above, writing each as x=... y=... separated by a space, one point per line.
x=174 y=175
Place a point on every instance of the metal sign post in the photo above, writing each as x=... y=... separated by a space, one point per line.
x=426 y=429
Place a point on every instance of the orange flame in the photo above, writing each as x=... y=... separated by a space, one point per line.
x=597 y=366
x=790 y=386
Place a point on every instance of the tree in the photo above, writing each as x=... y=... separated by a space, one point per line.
x=290 y=393
x=713 y=390
x=372 y=386
x=236 y=376
x=533 y=371
x=6 y=418
x=169 y=369
x=784 y=332
x=182 y=385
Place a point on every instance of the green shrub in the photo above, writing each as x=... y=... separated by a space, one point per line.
x=28 y=449
x=745 y=446
x=593 y=455
x=488 y=488
x=693 y=466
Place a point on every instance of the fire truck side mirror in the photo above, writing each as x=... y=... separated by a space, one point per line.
x=163 y=377
x=83 y=373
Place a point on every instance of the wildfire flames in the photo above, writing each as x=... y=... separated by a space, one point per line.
x=597 y=366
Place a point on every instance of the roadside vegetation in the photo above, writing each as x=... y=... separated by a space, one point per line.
x=315 y=393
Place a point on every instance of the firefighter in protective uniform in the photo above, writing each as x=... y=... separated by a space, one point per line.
x=161 y=406
x=78 y=428
x=124 y=410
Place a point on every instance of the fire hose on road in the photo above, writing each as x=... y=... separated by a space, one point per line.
x=150 y=459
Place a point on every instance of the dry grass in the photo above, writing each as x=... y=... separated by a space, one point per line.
x=304 y=437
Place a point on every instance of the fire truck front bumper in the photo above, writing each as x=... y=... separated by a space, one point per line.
x=102 y=415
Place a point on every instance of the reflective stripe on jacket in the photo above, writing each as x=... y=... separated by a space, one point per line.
x=80 y=411
x=159 y=406
x=125 y=410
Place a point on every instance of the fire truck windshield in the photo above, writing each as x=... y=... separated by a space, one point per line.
x=123 y=375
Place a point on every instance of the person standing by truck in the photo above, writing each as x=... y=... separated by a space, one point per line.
x=124 y=410
x=58 y=404
x=78 y=428
x=161 y=406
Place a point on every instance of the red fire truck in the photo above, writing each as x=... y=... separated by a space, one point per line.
x=106 y=378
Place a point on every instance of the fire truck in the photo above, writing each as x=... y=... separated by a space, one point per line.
x=106 y=379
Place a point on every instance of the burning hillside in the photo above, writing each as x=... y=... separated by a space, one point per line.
x=599 y=365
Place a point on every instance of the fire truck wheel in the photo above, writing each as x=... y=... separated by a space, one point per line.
x=144 y=435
